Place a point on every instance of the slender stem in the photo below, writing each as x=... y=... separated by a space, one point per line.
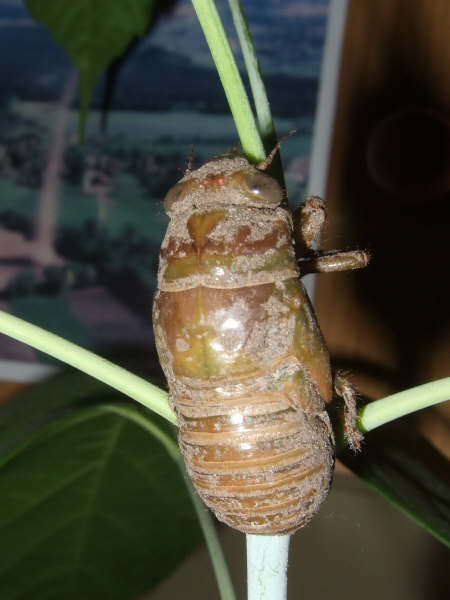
x=267 y=559
x=204 y=516
x=130 y=413
x=122 y=380
x=267 y=555
x=371 y=416
x=403 y=403
x=212 y=541
x=263 y=112
x=231 y=80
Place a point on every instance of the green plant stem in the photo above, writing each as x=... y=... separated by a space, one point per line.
x=141 y=419
x=216 y=554
x=231 y=80
x=371 y=416
x=392 y=407
x=122 y=380
x=207 y=526
x=263 y=112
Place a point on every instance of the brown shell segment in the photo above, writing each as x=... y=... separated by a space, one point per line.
x=227 y=247
x=265 y=473
x=209 y=332
x=227 y=181
x=248 y=376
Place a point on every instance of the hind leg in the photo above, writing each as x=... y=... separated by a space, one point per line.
x=345 y=390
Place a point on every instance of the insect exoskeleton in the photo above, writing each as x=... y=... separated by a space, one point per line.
x=247 y=367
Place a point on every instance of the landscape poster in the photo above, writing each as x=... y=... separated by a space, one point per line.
x=81 y=225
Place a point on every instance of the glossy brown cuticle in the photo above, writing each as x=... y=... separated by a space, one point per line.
x=248 y=371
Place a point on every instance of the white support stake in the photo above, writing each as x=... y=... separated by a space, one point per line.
x=267 y=559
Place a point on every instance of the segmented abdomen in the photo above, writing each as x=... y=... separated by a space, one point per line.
x=259 y=464
x=249 y=377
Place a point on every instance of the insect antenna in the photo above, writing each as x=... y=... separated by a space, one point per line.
x=237 y=149
x=262 y=166
x=190 y=161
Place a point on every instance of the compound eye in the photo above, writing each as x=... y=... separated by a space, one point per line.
x=174 y=195
x=263 y=188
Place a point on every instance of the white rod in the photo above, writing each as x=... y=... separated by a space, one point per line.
x=327 y=97
x=267 y=560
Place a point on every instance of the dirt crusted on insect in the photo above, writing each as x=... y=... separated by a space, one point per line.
x=230 y=247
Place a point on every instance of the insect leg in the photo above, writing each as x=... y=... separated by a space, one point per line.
x=334 y=261
x=345 y=390
x=309 y=221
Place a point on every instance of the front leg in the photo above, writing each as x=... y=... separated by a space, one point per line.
x=330 y=262
x=309 y=220
x=309 y=223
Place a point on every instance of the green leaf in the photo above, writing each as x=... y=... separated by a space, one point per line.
x=93 y=33
x=60 y=395
x=410 y=473
x=56 y=397
x=93 y=507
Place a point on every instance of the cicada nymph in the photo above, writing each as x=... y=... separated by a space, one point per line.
x=248 y=370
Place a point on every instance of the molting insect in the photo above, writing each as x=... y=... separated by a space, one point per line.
x=248 y=370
